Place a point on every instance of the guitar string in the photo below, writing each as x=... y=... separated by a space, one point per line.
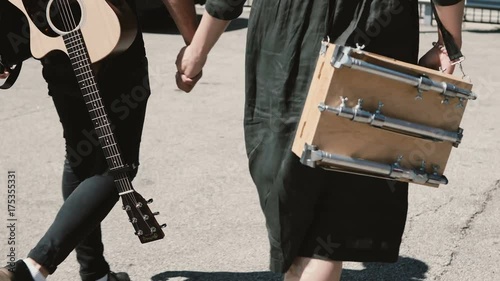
x=93 y=95
x=63 y=18
x=70 y=24
x=67 y=22
x=123 y=180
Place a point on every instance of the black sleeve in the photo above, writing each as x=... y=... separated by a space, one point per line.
x=446 y=2
x=14 y=34
x=225 y=9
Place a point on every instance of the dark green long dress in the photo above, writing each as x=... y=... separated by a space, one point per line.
x=312 y=212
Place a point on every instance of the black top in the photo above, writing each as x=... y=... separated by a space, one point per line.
x=14 y=34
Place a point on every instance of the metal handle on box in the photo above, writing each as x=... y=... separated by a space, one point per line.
x=342 y=57
x=377 y=119
x=312 y=156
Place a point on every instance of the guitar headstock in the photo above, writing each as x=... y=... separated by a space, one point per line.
x=144 y=221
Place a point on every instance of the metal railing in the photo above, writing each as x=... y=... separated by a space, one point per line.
x=478 y=11
x=482 y=15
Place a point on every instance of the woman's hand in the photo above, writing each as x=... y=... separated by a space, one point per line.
x=189 y=68
x=193 y=57
x=437 y=59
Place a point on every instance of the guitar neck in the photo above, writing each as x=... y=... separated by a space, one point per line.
x=81 y=64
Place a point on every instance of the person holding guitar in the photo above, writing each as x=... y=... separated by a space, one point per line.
x=315 y=218
x=88 y=183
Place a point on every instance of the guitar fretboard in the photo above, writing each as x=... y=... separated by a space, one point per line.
x=80 y=61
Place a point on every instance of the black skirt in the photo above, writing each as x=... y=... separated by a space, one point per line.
x=312 y=212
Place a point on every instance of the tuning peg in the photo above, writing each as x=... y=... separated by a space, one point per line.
x=163 y=225
x=132 y=220
x=150 y=201
x=145 y=217
x=153 y=229
x=139 y=232
x=126 y=208
x=138 y=205
x=156 y=213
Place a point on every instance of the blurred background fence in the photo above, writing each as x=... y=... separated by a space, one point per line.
x=480 y=11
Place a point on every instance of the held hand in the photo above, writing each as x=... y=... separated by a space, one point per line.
x=437 y=59
x=189 y=69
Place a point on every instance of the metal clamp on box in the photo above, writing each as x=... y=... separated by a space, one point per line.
x=378 y=120
x=312 y=156
x=343 y=58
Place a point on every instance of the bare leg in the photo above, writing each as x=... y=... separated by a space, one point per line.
x=307 y=269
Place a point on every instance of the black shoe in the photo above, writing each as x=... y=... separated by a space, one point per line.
x=119 y=276
x=18 y=272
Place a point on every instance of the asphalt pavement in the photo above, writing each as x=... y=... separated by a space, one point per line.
x=194 y=166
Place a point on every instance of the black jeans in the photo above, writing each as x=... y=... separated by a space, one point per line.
x=77 y=225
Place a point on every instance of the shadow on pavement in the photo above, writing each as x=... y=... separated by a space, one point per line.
x=471 y=30
x=216 y=276
x=406 y=269
x=486 y=31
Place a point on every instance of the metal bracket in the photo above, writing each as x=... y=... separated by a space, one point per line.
x=324 y=46
x=342 y=57
x=377 y=119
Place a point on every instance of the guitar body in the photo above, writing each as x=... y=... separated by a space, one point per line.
x=107 y=28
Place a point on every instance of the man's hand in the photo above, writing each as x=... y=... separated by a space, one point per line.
x=437 y=59
x=189 y=68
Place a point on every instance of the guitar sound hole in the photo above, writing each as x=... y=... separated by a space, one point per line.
x=65 y=15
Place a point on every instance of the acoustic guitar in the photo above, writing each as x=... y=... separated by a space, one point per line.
x=88 y=31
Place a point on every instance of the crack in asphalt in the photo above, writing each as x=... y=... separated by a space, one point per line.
x=435 y=210
x=464 y=230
